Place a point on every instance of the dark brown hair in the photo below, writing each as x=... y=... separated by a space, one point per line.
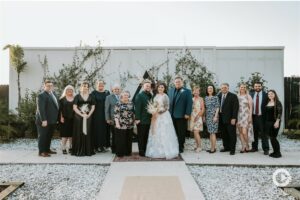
x=214 y=90
x=163 y=84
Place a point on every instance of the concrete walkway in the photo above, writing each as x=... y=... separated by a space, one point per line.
x=112 y=186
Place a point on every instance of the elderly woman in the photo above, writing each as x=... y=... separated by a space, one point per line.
x=66 y=115
x=124 y=121
x=84 y=106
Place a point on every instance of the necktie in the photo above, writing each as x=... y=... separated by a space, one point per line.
x=222 y=101
x=257 y=104
x=54 y=99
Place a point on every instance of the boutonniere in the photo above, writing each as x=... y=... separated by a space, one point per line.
x=182 y=90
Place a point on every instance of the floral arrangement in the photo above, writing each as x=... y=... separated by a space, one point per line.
x=152 y=107
x=84 y=108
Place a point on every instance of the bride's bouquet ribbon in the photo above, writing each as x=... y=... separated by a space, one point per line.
x=84 y=126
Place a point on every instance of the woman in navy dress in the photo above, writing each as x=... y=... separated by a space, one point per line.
x=212 y=106
x=100 y=129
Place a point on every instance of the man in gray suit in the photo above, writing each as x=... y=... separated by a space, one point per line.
x=46 y=118
x=110 y=103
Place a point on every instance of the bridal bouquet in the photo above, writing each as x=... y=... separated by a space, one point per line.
x=152 y=107
x=84 y=108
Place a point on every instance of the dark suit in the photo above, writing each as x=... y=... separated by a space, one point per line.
x=141 y=113
x=181 y=102
x=47 y=110
x=110 y=103
x=259 y=121
x=228 y=111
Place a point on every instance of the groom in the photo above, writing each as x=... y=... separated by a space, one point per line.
x=142 y=117
x=180 y=108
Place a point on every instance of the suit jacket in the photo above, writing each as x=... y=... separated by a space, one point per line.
x=264 y=102
x=110 y=102
x=230 y=107
x=183 y=102
x=47 y=109
x=141 y=102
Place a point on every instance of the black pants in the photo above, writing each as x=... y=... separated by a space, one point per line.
x=123 y=142
x=108 y=138
x=112 y=132
x=143 y=133
x=273 y=132
x=44 y=137
x=228 y=133
x=258 y=127
x=180 y=126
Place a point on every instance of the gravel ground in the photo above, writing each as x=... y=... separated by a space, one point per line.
x=59 y=182
x=286 y=145
x=236 y=183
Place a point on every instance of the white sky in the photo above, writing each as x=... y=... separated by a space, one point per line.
x=152 y=23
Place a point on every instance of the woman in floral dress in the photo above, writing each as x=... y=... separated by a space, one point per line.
x=244 y=123
x=196 y=123
x=212 y=106
x=124 y=120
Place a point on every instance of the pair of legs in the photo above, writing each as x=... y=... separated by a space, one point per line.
x=273 y=132
x=123 y=142
x=197 y=140
x=44 y=137
x=244 y=138
x=66 y=144
x=143 y=133
x=213 y=142
x=258 y=126
x=180 y=126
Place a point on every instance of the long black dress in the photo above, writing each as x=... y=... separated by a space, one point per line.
x=100 y=129
x=66 y=110
x=82 y=144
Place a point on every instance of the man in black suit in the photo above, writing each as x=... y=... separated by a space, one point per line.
x=181 y=103
x=228 y=118
x=259 y=103
x=46 y=118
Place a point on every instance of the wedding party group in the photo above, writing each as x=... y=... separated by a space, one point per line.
x=91 y=122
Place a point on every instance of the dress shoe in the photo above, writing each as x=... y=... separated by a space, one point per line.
x=44 y=155
x=224 y=150
x=210 y=151
x=275 y=155
x=266 y=152
x=253 y=150
x=64 y=151
x=51 y=152
x=232 y=153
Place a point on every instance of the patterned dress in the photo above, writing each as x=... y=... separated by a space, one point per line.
x=197 y=107
x=243 y=115
x=211 y=105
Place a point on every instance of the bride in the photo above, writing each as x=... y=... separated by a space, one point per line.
x=162 y=140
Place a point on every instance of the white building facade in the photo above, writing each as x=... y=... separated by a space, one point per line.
x=228 y=64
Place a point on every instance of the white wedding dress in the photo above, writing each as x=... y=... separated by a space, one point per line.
x=162 y=140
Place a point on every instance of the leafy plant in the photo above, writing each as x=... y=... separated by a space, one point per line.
x=87 y=65
x=194 y=72
x=295 y=122
x=6 y=117
x=255 y=77
x=16 y=55
x=27 y=111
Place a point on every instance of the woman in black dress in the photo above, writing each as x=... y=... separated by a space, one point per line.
x=124 y=120
x=84 y=106
x=100 y=130
x=273 y=118
x=66 y=115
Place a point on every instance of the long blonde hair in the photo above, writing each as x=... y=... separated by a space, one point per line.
x=65 y=91
x=246 y=90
